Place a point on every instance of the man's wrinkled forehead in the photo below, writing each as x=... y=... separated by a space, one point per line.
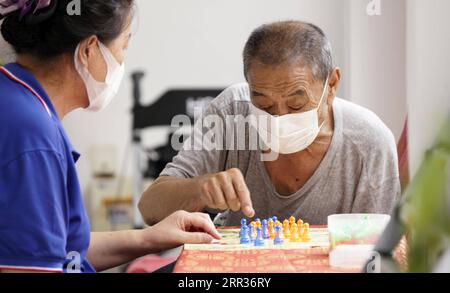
x=279 y=77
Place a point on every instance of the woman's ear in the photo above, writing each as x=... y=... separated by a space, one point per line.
x=87 y=47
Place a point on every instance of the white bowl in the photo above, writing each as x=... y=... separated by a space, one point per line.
x=353 y=237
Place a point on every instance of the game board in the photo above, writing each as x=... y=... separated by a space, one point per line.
x=308 y=252
x=230 y=256
x=232 y=237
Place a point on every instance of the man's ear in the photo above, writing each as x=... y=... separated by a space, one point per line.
x=86 y=48
x=334 y=82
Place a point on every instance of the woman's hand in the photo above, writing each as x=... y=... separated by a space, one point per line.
x=180 y=228
x=110 y=249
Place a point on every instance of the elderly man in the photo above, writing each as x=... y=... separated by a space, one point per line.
x=332 y=156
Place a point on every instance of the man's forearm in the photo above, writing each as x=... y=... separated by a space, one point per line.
x=168 y=195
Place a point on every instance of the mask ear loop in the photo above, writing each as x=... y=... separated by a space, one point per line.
x=323 y=93
x=321 y=100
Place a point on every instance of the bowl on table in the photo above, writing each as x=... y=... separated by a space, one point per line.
x=353 y=238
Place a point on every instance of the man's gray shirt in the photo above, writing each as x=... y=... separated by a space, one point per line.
x=359 y=173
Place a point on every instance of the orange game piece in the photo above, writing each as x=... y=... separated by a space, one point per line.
x=294 y=233
x=286 y=233
x=286 y=229
x=293 y=228
x=305 y=236
x=271 y=230
x=301 y=230
x=253 y=224
x=300 y=227
x=292 y=220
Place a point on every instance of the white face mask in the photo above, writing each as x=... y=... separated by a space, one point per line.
x=289 y=133
x=101 y=93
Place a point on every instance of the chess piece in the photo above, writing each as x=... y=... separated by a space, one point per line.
x=294 y=233
x=265 y=230
x=245 y=238
x=259 y=241
x=278 y=240
x=305 y=235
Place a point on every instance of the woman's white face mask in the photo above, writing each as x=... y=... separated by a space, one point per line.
x=101 y=93
x=289 y=133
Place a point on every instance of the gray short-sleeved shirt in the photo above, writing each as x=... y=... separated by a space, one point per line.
x=359 y=173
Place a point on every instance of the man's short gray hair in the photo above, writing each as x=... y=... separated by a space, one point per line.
x=287 y=42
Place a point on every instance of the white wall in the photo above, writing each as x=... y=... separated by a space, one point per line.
x=376 y=60
x=428 y=73
x=198 y=43
x=6 y=52
x=195 y=43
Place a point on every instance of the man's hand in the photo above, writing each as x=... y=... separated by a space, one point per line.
x=180 y=228
x=226 y=190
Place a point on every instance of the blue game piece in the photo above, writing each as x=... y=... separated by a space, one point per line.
x=265 y=230
x=245 y=239
x=278 y=240
x=243 y=227
x=259 y=241
x=250 y=231
x=274 y=219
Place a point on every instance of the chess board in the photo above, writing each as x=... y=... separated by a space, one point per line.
x=230 y=242
x=229 y=256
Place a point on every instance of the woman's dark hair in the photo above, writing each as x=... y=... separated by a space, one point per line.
x=60 y=33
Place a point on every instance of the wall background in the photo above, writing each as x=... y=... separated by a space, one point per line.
x=394 y=64
x=191 y=44
x=376 y=60
x=428 y=76
x=6 y=54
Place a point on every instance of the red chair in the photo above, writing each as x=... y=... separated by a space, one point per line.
x=403 y=164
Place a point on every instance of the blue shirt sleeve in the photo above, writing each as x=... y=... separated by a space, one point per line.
x=33 y=212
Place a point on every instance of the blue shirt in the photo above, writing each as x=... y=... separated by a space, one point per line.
x=43 y=222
